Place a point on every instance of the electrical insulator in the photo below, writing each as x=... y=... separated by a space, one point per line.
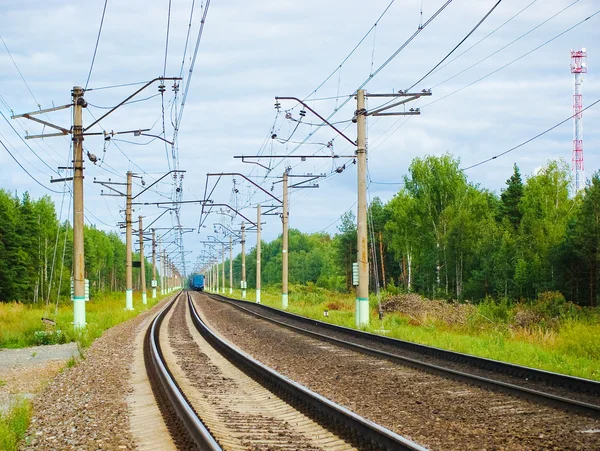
x=302 y=113
x=161 y=88
x=277 y=105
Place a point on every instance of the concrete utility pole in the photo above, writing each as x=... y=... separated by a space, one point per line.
x=128 y=248
x=142 y=262
x=243 y=261
x=216 y=270
x=78 y=218
x=153 y=264
x=230 y=265
x=163 y=277
x=160 y=268
x=258 y=227
x=169 y=284
x=284 y=244
x=223 y=267
x=78 y=131
x=362 y=289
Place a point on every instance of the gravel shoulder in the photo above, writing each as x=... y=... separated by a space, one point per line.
x=85 y=407
x=25 y=372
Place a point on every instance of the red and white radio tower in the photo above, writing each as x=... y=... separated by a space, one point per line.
x=578 y=67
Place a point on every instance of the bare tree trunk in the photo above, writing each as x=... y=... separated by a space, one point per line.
x=382 y=264
x=409 y=259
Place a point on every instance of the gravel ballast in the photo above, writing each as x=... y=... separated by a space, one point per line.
x=433 y=411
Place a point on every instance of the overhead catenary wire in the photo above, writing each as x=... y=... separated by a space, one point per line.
x=382 y=66
x=122 y=85
x=486 y=36
x=96 y=46
x=481 y=78
x=193 y=62
x=126 y=103
x=167 y=39
x=506 y=46
x=457 y=45
x=373 y=27
x=513 y=61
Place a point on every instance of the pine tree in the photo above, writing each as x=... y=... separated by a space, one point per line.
x=511 y=197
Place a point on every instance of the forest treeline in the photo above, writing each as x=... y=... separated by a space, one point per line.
x=36 y=253
x=445 y=237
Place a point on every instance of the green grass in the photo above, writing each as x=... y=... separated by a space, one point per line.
x=21 y=325
x=14 y=424
x=571 y=346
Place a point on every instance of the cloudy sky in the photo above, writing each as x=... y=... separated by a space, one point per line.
x=508 y=82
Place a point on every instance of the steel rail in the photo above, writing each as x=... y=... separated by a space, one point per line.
x=371 y=433
x=578 y=384
x=153 y=357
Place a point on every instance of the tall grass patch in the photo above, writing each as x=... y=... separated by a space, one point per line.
x=21 y=325
x=14 y=424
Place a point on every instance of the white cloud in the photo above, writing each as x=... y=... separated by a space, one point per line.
x=253 y=51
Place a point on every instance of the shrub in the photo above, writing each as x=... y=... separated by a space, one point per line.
x=496 y=311
x=552 y=304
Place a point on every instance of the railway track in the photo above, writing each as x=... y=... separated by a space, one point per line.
x=552 y=389
x=213 y=396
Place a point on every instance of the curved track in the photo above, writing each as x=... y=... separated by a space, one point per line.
x=191 y=431
x=557 y=390
x=183 y=422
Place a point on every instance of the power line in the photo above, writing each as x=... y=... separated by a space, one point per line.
x=513 y=61
x=507 y=45
x=118 y=86
x=353 y=50
x=529 y=140
x=126 y=103
x=27 y=172
x=192 y=64
x=28 y=146
x=17 y=67
x=187 y=38
x=96 y=47
x=338 y=219
x=382 y=66
x=457 y=45
x=485 y=37
x=167 y=40
x=489 y=74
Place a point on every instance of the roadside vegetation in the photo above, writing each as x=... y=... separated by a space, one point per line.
x=548 y=333
x=14 y=424
x=21 y=324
